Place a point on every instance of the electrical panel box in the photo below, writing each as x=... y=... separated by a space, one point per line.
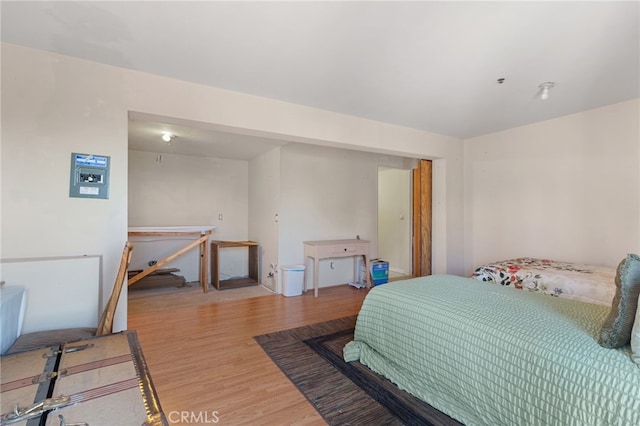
x=89 y=176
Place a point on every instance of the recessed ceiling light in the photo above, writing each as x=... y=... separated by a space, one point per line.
x=166 y=136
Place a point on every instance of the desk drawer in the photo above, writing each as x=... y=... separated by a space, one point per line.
x=345 y=250
x=336 y=248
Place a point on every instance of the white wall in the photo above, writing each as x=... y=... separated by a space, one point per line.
x=53 y=105
x=264 y=208
x=230 y=111
x=327 y=194
x=179 y=190
x=175 y=190
x=565 y=189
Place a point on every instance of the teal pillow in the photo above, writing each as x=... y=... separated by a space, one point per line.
x=635 y=338
x=616 y=330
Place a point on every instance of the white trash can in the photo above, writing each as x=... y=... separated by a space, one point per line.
x=292 y=280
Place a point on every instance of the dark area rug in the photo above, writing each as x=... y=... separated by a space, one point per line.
x=343 y=393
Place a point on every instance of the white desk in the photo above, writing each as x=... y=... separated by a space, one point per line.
x=328 y=249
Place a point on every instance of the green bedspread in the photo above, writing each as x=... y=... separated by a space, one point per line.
x=488 y=355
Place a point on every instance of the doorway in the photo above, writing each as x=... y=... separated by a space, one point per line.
x=405 y=219
x=395 y=220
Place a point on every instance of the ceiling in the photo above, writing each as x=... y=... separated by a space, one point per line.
x=427 y=65
x=192 y=138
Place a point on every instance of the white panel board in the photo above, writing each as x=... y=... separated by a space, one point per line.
x=61 y=292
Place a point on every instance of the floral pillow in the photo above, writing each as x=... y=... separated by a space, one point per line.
x=588 y=283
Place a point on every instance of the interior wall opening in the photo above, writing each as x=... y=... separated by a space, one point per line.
x=394 y=220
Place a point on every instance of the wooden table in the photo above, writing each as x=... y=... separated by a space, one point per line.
x=327 y=249
x=202 y=232
x=99 y=381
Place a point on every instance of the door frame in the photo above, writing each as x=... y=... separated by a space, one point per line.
x=422 y=195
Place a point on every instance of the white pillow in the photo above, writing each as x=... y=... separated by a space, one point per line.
x=635 y=337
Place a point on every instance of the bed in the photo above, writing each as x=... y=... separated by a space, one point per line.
x=486 y=354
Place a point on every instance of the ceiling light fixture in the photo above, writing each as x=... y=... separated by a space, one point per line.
x=166 y=136
x=545 y=89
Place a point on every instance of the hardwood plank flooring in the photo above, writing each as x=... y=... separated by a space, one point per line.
x=203 y=358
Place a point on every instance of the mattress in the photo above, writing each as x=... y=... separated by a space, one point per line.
x=589 y=283
x=488 y=355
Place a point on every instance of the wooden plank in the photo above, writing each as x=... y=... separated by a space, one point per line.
x=204 y=268
x=234 y=243
x=215 y=265
x=254 y=262
x=164 y=271
x=105 y=326
x=237 y=282
x=164 y=234
x=426 y=215
x=417 y=190
x=156 y=281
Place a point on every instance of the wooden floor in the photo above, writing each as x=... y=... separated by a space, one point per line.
x=203 y=358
